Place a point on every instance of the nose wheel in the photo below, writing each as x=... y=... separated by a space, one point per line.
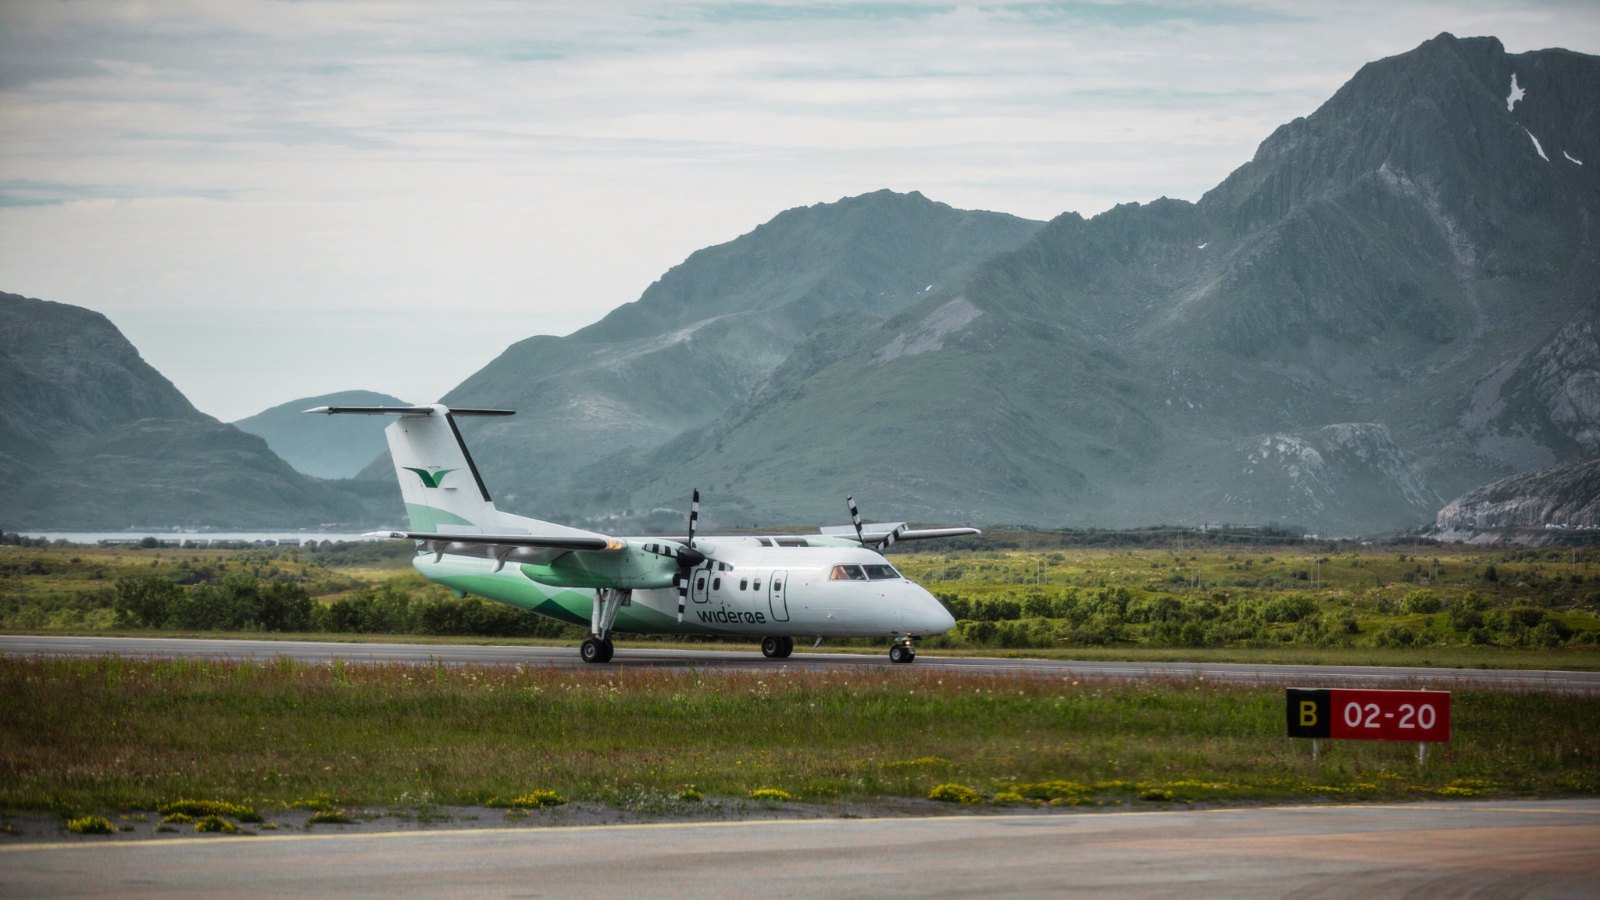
x=902 y=651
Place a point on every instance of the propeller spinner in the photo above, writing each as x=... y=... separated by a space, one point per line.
x=687 y=556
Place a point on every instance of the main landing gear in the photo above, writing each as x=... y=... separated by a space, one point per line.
x=902 y=651
x=777 y=647
x=597 y=648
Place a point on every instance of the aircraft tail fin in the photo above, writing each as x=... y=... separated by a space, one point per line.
x=440 y=483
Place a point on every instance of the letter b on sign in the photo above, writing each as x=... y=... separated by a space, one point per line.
x=1308 y=713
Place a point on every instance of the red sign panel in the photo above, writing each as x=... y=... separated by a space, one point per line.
x=1362 y=715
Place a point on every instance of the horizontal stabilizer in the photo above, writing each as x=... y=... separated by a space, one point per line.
x=408 y=411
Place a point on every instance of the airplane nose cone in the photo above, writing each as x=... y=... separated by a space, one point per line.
x=929 y=615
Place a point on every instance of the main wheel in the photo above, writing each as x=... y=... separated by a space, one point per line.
x=776 y=647
x=595 y=650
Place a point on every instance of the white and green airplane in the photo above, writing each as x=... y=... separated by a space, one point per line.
x=832 y=584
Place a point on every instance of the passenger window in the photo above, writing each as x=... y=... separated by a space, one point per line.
x=757 y=585
x=700 y=583
x=777 y=585
x=716 y=584
x=744 y=584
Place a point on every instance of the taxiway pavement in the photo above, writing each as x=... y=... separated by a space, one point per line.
x=1492 y=849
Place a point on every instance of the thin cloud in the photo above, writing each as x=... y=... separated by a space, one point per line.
x=532 y=166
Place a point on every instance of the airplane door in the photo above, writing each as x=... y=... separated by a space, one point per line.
x=698 y=590
x=775 y=596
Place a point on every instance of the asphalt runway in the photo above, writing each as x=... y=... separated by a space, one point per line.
x=644 y=655
x=1491 y=849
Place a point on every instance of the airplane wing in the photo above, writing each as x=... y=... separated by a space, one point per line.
x=919 y=534
x=563 y=560
x=552 y=542
x=887 y=533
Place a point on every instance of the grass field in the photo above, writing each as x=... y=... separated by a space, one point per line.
x=1335 y=603
x=93 y=736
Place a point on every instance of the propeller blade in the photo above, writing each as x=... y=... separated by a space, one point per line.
x=889 y=539
x=855 y=517
x=683 y=594
x=694 y=515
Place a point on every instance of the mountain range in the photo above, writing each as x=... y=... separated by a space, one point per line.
x=1392 y=304
x=96 y=439
x=327 y=447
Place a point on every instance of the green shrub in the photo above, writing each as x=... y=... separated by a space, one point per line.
x=773 y=794
x=1421 y=603
x=1289 y=608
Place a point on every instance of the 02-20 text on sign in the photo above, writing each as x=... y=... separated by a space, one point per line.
x=1367 y=715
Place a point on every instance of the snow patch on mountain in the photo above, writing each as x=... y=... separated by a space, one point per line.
x=1536 y=145
x=1517 y=93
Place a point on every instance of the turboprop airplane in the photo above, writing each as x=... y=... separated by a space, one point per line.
x=832 y=584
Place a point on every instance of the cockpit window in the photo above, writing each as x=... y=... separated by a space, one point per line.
x=881 y=572
x=847 y=573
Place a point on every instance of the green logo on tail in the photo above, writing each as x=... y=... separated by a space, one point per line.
x=430 y=479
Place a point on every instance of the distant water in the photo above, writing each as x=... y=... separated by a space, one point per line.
x=199 y=537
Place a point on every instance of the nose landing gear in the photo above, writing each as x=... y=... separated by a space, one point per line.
x=902 y=651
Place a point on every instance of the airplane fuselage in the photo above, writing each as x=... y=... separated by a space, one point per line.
x=825 y=591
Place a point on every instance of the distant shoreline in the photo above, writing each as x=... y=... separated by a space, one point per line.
x=167 y=538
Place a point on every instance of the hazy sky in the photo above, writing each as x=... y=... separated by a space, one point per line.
x=280 y=199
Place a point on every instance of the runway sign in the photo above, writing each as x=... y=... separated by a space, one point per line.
x=1361 y=715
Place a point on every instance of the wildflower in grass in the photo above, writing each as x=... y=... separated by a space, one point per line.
x=955 y=793
x=771 y=794
x=530 y=800
x=1050 y=790
x=318 y=801
x=1074 y=801
x=691 y=794
x=90 y=825
x=210 y=808
x=216 y=824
